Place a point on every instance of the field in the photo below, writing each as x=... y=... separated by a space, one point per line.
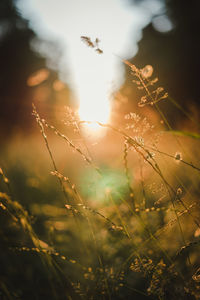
x=114 y=217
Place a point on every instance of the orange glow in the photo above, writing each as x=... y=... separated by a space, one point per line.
x=58 y=85
x=38 y=77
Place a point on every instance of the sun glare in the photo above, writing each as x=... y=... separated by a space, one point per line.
x=92 y=76
x=92 y=112
x=93 y=87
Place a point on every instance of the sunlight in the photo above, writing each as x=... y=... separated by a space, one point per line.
x=92 y=77
x=92 y=86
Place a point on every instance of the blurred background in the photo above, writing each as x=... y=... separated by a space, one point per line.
x=42 y=58
x=44 y=61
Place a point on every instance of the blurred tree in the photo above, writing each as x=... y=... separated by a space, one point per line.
x=171 y=44
x=17 y=62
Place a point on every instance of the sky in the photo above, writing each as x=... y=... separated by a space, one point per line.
x=93 y=77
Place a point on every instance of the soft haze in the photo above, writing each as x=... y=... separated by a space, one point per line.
x=92 y=77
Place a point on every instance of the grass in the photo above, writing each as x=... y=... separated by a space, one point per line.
x=117 y=226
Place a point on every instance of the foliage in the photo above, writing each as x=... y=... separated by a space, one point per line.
x=124 y=232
